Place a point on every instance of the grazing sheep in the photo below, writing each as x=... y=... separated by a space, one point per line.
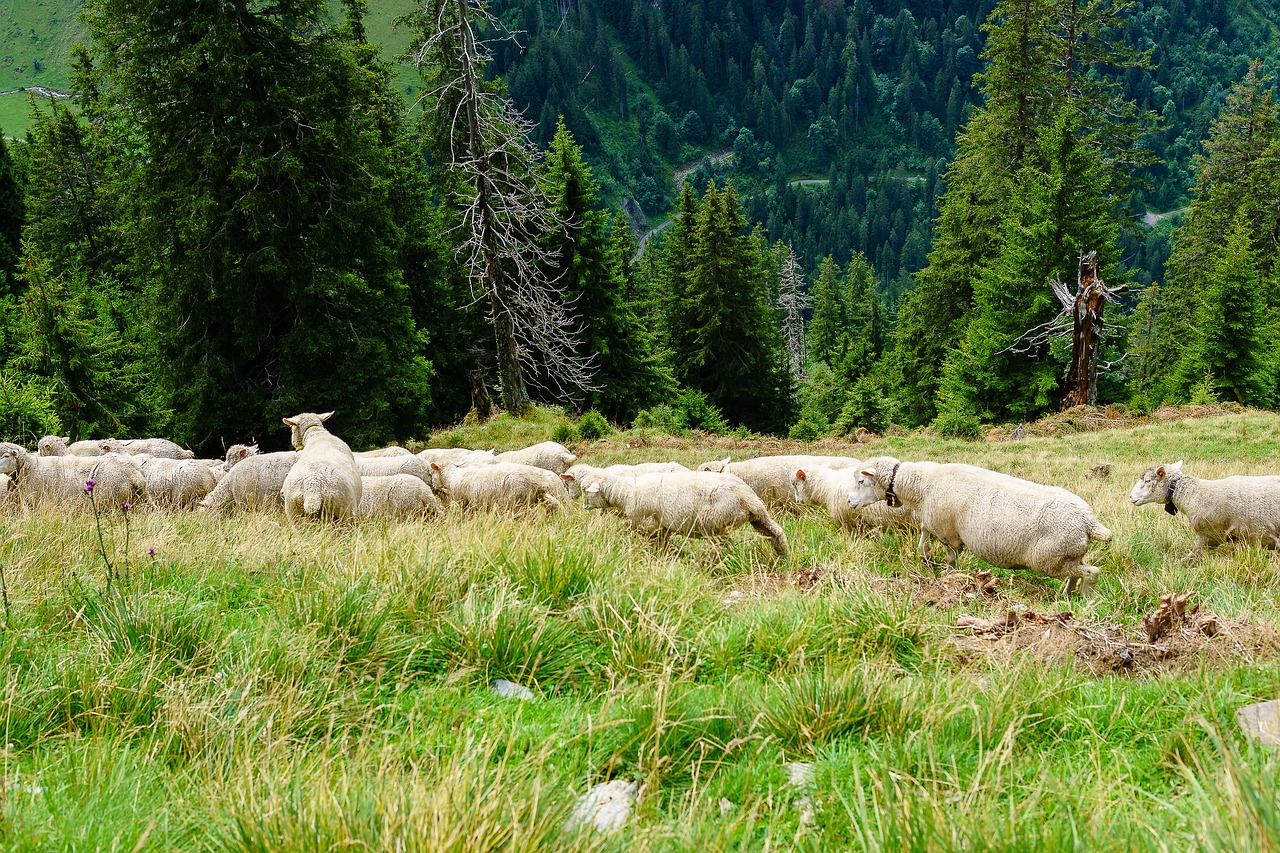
x=690 y=503
x=1233 y=509
x=325 y=481
x=456 y=455
x=829 y=488
x=159 y=447
x=237 y=453
x=575 y=474
x=1005 y=520
x=497 y=485
x=59 y=481
x=548 y=454
x=254 y=483
x=770 y=476
x=398 y=496
x=391 y=450
x=385 y=466
x=176 y=483
x=57 y=445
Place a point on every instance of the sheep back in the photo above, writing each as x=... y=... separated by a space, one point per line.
x=324 y=482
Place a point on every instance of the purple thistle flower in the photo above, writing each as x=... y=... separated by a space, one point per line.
x=127 y=506
x=88 y=486
x=152 y=550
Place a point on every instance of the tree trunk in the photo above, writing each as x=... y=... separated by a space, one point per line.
x=481 y=402
x=1086 y=336
x=515 y=399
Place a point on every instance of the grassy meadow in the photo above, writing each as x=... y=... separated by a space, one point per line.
x=248 y=686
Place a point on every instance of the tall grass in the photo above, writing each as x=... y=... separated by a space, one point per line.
x=254 y=687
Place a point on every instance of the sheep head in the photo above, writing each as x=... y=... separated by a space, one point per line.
x=299 y=425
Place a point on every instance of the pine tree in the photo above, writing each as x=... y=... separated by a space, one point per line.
x=12 y=217
x=588 y=265
x=1059 y=211
x=1232 y=330
x=724 y=334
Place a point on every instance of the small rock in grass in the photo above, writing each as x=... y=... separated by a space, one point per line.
x=735 y=597
x=726 y=807
x=800 y=774
x=511 y=690
x=1261 y=722
x=605 y=807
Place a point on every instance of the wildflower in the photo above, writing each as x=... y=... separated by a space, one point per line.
x=152 y=550
x=88 y=485
x=127 y=506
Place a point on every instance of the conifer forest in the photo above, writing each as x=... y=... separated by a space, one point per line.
x=790 y=217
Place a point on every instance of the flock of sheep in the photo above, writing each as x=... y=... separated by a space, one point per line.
x=1005 y=520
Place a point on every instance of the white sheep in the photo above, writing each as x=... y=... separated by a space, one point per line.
x=1005 y=520
x=159 y=447
x=398 y=496
x=1233 y=509
x=60 y=481
x=385 y=466
x=176 y=483
x=830 y=488
x=691 y=503
x=253 y=483
x=497 y=485
x=456 y=455
x=57 y=445
x=575 y=474
x=770 y=477
x=237 y=453
x=547 y=454
x=325 y=481
x=390 y=450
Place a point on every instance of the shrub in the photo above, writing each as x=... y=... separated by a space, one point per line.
x=662 y=417
x=958 y=423
x=592 y=425
x=866 y=407
x=1140 y=404
x=810 y=427
x=1203 y=393
x=699 y=412
x=26 y=408
x=565 y=433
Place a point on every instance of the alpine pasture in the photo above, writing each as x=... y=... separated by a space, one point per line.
x=247 y=684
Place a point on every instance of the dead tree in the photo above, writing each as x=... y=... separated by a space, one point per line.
x=792 y=300
x=1081 y=317
x=501 y=202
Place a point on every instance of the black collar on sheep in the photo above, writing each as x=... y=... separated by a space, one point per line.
x=889 y=497
x=1168 y=498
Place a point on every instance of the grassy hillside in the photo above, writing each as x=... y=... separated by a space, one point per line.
x=256 y=687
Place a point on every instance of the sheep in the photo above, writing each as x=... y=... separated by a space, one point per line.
x=57 y=445
x=253 y=483
x=385 y=466
x=398 y=496
x=390 y=450
x=690 y=503
x=1005 y=520
x=238 y=453
x=548 y=454
x=60 y=480
x=324 y=482
x=1233 y=509
x=770 y=476
x=160 y=447
x=454 y=455
x=817 y=485
x=575 y=474
x=176 y=483
x=497 y=485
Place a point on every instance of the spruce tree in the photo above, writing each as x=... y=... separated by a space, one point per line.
x=1233 y=344
x=725 y=336
x=590 y=271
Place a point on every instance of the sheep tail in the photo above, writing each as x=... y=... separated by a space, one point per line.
x=1098 y=532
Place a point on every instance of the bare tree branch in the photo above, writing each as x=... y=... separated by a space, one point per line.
x=792 y=300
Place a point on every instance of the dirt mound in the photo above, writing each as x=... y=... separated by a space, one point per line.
x=1185 y=643
x=1093 y=418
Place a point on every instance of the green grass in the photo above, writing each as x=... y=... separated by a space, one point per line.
x=254 y=687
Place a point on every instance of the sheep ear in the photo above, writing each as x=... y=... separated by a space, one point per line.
x=867 y=472
x=800 y=475
x=326 y=416
x=593 y=489
x=567 y=477
x=289 y=422
x=435 y=466
x=1175 y=467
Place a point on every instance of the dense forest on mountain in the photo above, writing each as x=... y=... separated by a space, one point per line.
x=246 y=212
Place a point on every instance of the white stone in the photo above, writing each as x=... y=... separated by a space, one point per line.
x=511 y=690
x=1261 y=722
x=606 y=807
x=800 y=774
